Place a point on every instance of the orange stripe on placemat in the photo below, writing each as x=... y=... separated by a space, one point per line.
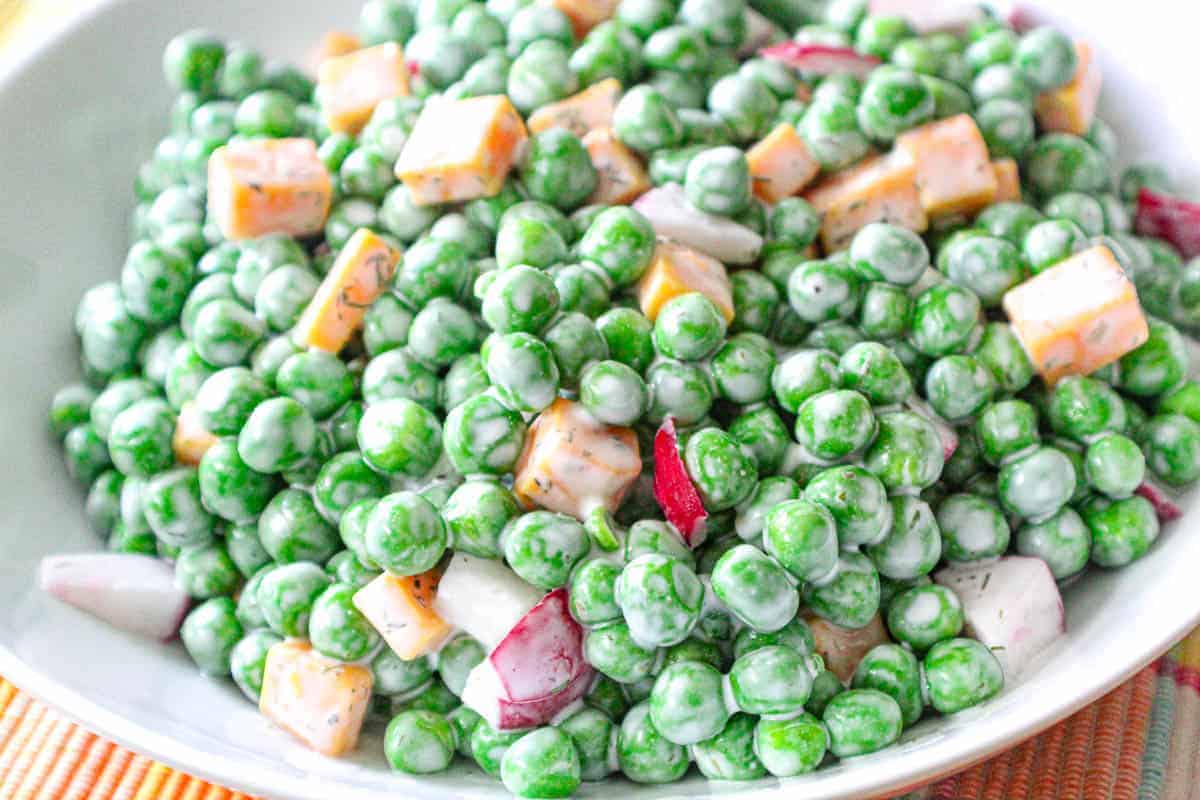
x=996 y=786
x=134 y=774
x=152 y=783
x=43 y=761
x=75 y=752
x=110 y=774
x=1022 y=777
x=25 y=728
x=1136 y=727
x=7 y=693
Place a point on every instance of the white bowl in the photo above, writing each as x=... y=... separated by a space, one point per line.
x=79 y=114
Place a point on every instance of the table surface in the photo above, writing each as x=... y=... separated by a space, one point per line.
x=1140 y=742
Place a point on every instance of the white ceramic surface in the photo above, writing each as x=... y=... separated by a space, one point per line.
x=77 y=115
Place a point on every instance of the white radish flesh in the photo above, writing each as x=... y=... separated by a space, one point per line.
x=483 y=597
x=672 y=216
x=931 y=16
x=484 y=694
x=1012 y=605
x=132 y=592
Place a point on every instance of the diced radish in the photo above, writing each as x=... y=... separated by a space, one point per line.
x=1171 y=218
x=484 y=694
x=535 y=671
x=842 y=648
x=1164 y=506
x=673 y=487
x=820 y=59
x=930 y=16
x=760 y=31
x=1011 y=605
x=672 y=216
x=484 y=598
x=945 y=431
x=132 y=592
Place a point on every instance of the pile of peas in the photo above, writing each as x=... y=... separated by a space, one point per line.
x=807 y=423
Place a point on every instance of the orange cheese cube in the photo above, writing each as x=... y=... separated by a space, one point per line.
x=350 y=86
x=1077 y=316
x=320 y=701
x=268 y=186
x=334 y=44
x=954 y=173
x=881 y=189
x=842 y=648
x=360 y=274
x=678 y=269
x=1008 y=180
x=191 y=441
x=620 y=176
x=573 y=463
x=580 y=113
x=401 y=609
x=1071 y=108
x=780 y=165
x=584 y=14
x=461 y=149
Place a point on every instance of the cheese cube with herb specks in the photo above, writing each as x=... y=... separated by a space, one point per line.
x=954 y=171
x=191 y=441
x=1008 y=180
x=350 y=86
x=572 y=462
x=678 y=269
x=461 y=149
x=363 y=270
x=401 y=609
x=580 y=113
x=880 y=189
x=1077 y=316
x=268 y=186
x=320 y=701
x=584 y=14
x=1072 y=108
x=780 y=165
x=620 y=176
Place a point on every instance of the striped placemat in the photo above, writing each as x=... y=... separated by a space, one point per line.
x=1140 y=742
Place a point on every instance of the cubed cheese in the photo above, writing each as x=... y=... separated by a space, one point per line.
x=1071 y=108
x=401 y=609
x=586 y=111
x=780 y=165
x=266 y=186
x=1008 y=180
x=191 y=441
x=319 y=700
x=360 y=274
x=1077 y=316
x=954 y=173
x=573 y=463
x=334 y=44
x=350 y=86
x=461 y=149
x=842 y=648
x=678 y=269
x=620 y=176
x=584 y=14
x=881 y=189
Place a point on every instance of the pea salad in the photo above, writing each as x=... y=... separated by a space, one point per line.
x=585 y=389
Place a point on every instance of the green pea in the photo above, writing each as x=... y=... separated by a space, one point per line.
x=396 y=374
x=958 y=386
x=104 y=408
x=922 y=616
x=687 y=705
x=419 y=742
x=802 y=375
x=874 y=370
x=225 y=332
x=862 y=721
x=399 y=436
x=760 y=431
x=744 y=104
x=405 y=534
x=959 y=674
x=1002 y=353
x=730 y=754
x=209 y=633
x=1061 y=162
x=343 y=480
x=851 y=597
x=892 y=102
x=574 y=342
x=557 y=169
x=857 y=502
x=890 y=253
x=654 y=536
x=973 y=528
x=1063 y=541
x=791 y=746
x=907 y=451
x=1006 y=428
x=227 y=398
x=613 y=392
x=206 y=571
x=103 y=505
x=139 y=440
x=1038 y=484
x=944 y=318
x=1082 y=407
x=248 y=661
x=754 y=588
x=831 y=132
x=156 y=355
x=489 y=745
x=643 y=754
x=476 y=513
x=192 y=60
x=660 y=598
x=279 y=435
x=543 y=547
x=155 y=283
x=1114 y=465
x=292 y=529
x=723 y=474
x=482 y=436
x=913 y=547
x=1160 y=364
x=614 y=653
x=1171 y=443
x=336 y=628
x=1046 y=58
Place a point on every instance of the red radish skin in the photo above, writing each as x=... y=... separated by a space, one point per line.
x=673 y=487
x=134 y=593
x=820 y=59
x=1164 y=507
x=542 y=653
x=1171 y=218
x=484 y=696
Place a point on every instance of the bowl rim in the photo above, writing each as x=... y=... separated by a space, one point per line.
x=956 y=755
